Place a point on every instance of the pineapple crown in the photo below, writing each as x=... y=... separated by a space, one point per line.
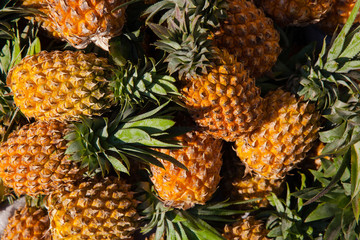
x=136 y=83
x=211 y=10
x=100 y=143
x=187 y=43
x=179 y=224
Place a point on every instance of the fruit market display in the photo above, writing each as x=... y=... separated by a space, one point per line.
x=180 y=120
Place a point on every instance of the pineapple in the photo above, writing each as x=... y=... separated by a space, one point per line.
x=338 y=16
x=283 y=140
x=81 y=22
x=297 y=12
x=33 y=160
x=246 y=229
x=254 y=186
x=250 y=36
x=65 y=85
x=28 y=223
x=225 y=102
x=93 y=209
x=179 y=188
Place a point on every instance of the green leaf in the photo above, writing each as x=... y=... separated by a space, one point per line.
x=355 y=179
x=132 y=135
x=151 y=125
x=74 y=147
x=117 y=164
x=323 y=211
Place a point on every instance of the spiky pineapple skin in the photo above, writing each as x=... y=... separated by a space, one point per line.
x=93 y=209
x=283 y=140
x=338 y=15
x=28 y=223
x=297 y=12
x=33 y=160
x=225 y=103
x=81 y=22
x=179 y=188
x=254 y=186
x=61 y=85
x=250 y=36
x=245 y=229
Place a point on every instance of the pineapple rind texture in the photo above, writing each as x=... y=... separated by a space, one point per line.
x=254 y=186
x=338 y=15
x=28 y=223
x=61 y=85
x=93 y=209
x=82 y=22
x=33 y=160
x=250 y=36
x=183 y=189
x=246 y=229
x=225 y=103
x=297 y=12
x=283 y=140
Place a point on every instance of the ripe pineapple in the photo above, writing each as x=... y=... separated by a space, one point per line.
x=81 y=22
x=283 y=140
x=338 y=16
x=297 y=12
x=179 y=188
x=250 y=36
x=64 y=85
x=254 y=186
x=93 y=209
x=28 y=223
x=246 y=229
x=225 y=102
x=33 y=160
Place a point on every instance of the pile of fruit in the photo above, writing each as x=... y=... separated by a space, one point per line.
x=180 y=119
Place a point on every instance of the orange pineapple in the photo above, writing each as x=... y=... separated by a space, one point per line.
x=338 y=16
x=81 y=22
x=225 y=102
x=297 y=12
x=28 y=223
x=283 y=140
x=246 y=229
x=33 y=160
x=183 y=189
x=250 y=36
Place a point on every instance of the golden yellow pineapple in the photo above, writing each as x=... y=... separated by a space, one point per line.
x=284 y=139
x=93 y=209
x=338 y=16
x=60 y=85
x=33 y=160
x=81 y=22
x=183 y=189
x=297 y=12
x=246 y=229
x=28 y=223
x=250 y=36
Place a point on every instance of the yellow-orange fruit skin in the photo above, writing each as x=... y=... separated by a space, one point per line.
x=284 y=139
x=338 y=15
x=225 y=102
x=61 y=85
x=250 y=36
x=28 y=223
x=81 y=22
x=297 y=12
x=33 y=160
x=246 y=229
x=93 y=209
x=179 y=188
